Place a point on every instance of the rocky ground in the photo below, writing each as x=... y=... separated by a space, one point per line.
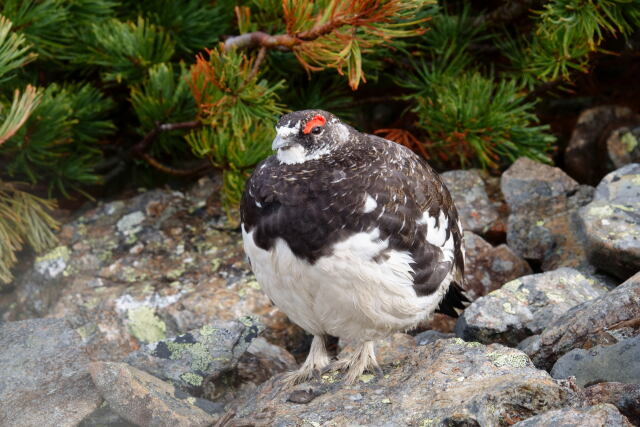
x=147 y=314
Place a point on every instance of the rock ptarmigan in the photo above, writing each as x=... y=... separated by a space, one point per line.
x=350 y=235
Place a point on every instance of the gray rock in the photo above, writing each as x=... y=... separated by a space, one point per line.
x=623 y=145
x=43 y=366
x=605 y=415
x=429 y=337
x=191 y=359
x=527 y=183
x=171 y=267
x=625 y=397
x=611 y=222
x=262 y=360
x=525 y=306
x=619 y=362
x=592 y=323
x=147 y=401
x=586 y=154
x=104 y=416
x=487 y=268
x=448 y=381
x=542 y=223
x=476 y=211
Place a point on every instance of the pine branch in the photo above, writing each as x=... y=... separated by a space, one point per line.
x=20 y=110
x=141 y=148
x=334 y=33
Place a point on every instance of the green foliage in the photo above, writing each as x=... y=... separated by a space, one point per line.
x=164 y=97
x=13 y=49
x=85 y=84
x=57 y=142
x=471 y=120
x=126 y=50
x=565 y=33
x=22 y=217
x=194 y=24
x=238 y=110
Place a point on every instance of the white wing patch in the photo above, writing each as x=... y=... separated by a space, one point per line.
x=370 y=204
x=436 y=234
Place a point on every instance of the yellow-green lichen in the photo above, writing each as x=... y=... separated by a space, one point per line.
x=207 y=330
x=86 y=330
x=330 y=377
x=61 y=252
x=513 y=360
x=193 y=379
x=508 y=308
x=145 y=325
x=175 y=273
x=629 y=141
x=198 y=352
x=601 y=211
x=512 y=285
x=365 y=378
x=426 y=422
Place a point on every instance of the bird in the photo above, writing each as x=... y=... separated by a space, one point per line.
x=352 y=236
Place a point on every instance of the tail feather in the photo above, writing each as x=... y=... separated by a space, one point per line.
x=454 y=301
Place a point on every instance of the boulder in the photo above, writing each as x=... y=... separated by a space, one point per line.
x=586 y=154
x=189 y=360
x=45 y=381
x=487 y=268
x=618 y=362
x=145 y=400
x=542 y=224
x=450 y=381
x=135 y=271
x=611 y=222
x=262 y=360
x=625 y=397
x=623 y=147
x=604 y=320
x=605 y=415
x=476 y=211
x=526 y=306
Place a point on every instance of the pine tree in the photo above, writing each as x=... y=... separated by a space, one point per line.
x=98 y=93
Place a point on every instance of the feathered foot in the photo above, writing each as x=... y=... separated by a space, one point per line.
x=316 y=361
x=361 y=360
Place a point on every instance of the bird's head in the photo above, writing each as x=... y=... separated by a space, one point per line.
x=308 y=135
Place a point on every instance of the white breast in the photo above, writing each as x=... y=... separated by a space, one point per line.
x=346 y=294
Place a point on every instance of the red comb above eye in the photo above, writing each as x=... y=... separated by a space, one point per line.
x=317 y=120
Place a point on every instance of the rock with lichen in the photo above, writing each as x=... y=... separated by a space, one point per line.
x=586 y=156
x=145 y=400
x=616 y=362
x=130 y=272
x=190 y=360
x=542 y=224
x=625 y=397
x=449 y=381
x=611 y=222
x=489 y=267
x=604 y=415
x=606 y=319
x=525 y=306
x=44 y=376
x=475 y=210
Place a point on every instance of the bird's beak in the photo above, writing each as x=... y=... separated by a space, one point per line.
x=279 y=142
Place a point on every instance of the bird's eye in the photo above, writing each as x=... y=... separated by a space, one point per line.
x=316 y=130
